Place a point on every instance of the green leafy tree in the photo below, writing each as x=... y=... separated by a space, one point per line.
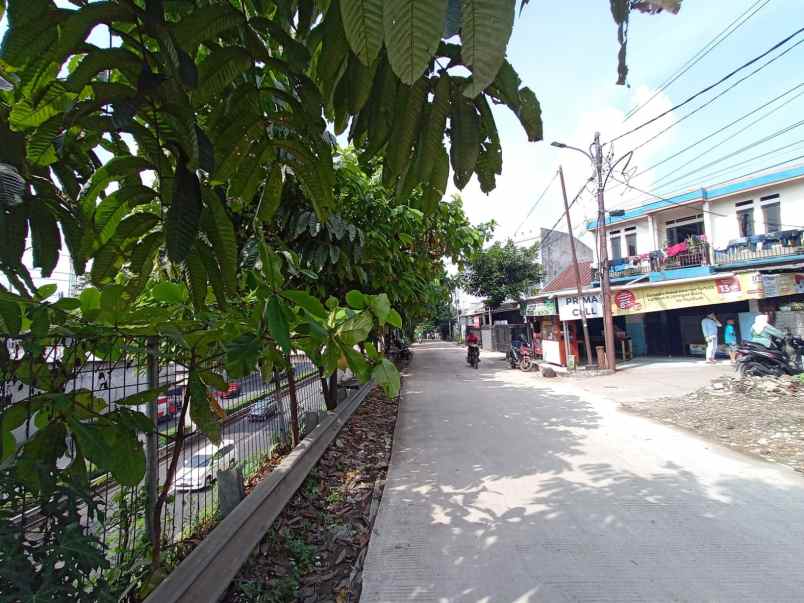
x=160 y=159
x=501 y=272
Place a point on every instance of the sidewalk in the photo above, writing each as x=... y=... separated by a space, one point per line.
x=502 y=489
x=644 y=379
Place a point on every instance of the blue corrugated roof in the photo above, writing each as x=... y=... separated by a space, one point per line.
x=701 y=194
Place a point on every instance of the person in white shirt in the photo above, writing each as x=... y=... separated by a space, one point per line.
x=709 y=326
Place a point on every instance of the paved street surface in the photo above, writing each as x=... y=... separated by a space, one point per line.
x=501 y=489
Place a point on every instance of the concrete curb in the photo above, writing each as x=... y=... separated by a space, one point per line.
x=207 y=572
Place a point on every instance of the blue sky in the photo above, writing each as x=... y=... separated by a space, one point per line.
x=567 y=53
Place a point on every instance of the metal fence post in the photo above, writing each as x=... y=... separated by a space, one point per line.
x=152 y=441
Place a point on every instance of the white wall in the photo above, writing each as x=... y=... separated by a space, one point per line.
x=644 y=239
x=724 y=211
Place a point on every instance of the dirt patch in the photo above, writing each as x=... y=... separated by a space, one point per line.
x=763 y=416
x=316 y=548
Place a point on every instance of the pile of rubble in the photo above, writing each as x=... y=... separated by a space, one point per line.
x=766 y=387
x=762 y=416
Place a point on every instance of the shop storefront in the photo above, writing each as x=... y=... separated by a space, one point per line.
x=540 y=315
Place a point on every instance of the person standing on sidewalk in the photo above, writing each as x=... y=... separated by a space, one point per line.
x=730 y=339
x=709 y=326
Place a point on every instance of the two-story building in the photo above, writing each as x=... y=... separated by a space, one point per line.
x=734 y=248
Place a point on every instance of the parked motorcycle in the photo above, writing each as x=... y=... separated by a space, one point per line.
x=784 y=357
x=473 y=355
x=519 y=356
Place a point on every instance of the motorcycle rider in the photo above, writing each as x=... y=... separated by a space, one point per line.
x=762 y=331
x=471 y=339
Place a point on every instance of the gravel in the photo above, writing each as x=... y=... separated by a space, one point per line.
x=762 y=416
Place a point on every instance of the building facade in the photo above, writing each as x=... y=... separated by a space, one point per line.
x=733 y=248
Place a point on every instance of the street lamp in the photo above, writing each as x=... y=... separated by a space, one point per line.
x=596 y=157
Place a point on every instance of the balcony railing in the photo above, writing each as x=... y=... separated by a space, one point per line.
x=760 y=247
x=688 y=254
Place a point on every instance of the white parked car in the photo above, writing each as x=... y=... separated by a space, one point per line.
x=201 y=469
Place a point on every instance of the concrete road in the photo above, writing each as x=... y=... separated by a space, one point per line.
x=501 y=490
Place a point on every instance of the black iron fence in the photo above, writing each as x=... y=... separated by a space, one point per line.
x=256 y=420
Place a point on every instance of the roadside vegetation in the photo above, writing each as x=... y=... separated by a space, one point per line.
x=182 y=157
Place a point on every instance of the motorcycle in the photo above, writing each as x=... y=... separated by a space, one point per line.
x=519 y=357
x=473 y=355
x=784 y=357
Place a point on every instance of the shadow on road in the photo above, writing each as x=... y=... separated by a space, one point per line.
x=500 y=490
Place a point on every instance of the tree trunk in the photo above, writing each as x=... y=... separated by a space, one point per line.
x=332 y=400
x=156 y=516
x=294 y=405
x=329 y=387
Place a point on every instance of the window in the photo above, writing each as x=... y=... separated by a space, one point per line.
x=677 y=234
x=616 y=248
x=745 y=222
x=773 y=217
x=630 y=241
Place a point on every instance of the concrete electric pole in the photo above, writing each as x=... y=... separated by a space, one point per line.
x=605 y=287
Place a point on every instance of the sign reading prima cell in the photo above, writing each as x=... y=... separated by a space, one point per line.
x=569 y=307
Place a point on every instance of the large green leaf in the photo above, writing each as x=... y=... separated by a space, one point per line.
x=522 y=102
x=405 y=130
x=242 y=353
x=40 y=149
x=112 y=447
x=359 y=80
x=530 y=114
x=386 y=375
x=380 y=306
x=220 y=230
x=143 y=397
x=219 y=70
x=306 y=301
x=116 y=168
x=362 y=21
x=201 y=409
x=355 y=329
x=271 y=194
x=46 y=238
x=205 y=24
x=197 y=280
x=433 y=132
x=412 y=33
x=439 y=177
x=10 y=317
x=464 y=138
x=332 y=60
x=213 y=273
x=101 y=60
x=74 y=30
x=184 y=214
x=486 y=28
x=277 y=323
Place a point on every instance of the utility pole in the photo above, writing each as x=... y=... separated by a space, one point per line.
x=605 y=288
x=577 y=269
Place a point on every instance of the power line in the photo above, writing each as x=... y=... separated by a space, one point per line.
x=560 y=217
x=747 y=147
x=677 y=203
x=533 y=207
x=725 y=170
x=727 y=126
x=709 y=47
x=717 y=83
